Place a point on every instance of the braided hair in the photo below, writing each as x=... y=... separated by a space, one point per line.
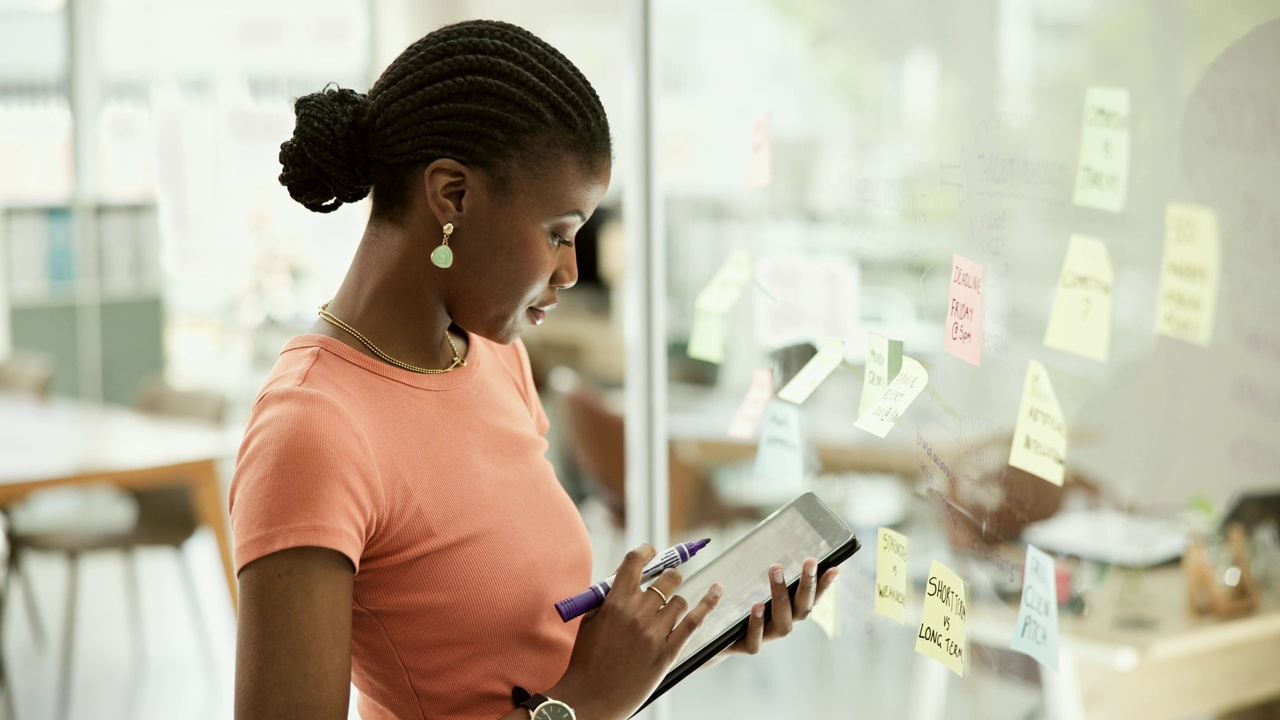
x=482 y=92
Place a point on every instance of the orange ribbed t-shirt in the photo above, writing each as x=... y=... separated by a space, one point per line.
x=438 y=490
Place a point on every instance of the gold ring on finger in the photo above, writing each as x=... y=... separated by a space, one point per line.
x=661 y=594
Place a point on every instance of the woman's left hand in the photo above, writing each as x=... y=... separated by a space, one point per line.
x=786 y=612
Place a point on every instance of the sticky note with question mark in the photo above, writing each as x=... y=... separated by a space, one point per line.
x=1081 y=319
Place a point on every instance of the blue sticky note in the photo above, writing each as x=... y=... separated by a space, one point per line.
x=1036 y=632
x=780 y=457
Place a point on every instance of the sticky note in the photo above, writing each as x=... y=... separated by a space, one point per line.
x=810 y=297
x=1036 y=632
x=780 y=456
x=1081 y=319
x=827 y=612
x=1102 y=179
x=760 y=161
x=830 y=353
x=752 y=408
x=942 y=635
x=891 y=574
x=1189 y=274
x=884 y=360
x=884 y=412
x=707 y=339
x=1039 y=434
x=963 y=336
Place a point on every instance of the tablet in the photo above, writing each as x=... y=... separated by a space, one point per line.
x=804 y=528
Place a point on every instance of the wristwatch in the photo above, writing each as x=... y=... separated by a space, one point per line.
x=541 y=707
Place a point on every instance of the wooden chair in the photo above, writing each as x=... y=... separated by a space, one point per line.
x=166 y=518
x=26 y=372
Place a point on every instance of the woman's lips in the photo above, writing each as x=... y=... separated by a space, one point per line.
x=537 y=315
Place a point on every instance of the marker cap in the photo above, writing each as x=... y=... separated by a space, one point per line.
x=583 y=602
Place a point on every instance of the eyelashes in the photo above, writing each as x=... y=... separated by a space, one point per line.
x=561 y=241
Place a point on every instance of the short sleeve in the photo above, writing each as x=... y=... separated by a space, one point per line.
x=304 y=477
x=530 y=390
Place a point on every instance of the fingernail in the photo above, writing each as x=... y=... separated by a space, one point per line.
x=812 y=571
x=758 y=611
x=777 y=575
x=716 y=590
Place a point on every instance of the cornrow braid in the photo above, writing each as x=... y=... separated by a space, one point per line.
x=481 y=92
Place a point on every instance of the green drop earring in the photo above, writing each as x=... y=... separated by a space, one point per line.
x=442 y=257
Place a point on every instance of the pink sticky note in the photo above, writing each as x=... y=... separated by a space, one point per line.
x=963 y=336
x=747 y=420
x=760 y=161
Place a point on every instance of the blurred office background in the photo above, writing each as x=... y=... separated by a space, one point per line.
x=151 y=267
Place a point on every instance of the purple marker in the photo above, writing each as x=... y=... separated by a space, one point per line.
x=592 y=597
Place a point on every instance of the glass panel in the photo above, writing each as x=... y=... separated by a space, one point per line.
x=853 y=150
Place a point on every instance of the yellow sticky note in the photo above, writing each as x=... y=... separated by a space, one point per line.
x=884 y=360
x=904 y=389
x=726 y=285
x=830 y=353
x=1040 y=434
x=827 y=612
x=1102 y=179
x=1081 y=319
x=891 y=574
x=706 y=340
x=942 y=635
x=1189 y=274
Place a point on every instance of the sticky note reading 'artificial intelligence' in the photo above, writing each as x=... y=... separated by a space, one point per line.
x=891 y=574
x=1189 y=274
x=1102 y=180
x=760 y=161
x=942 y=635
x=1036 y=632
x=1081 y=319
x=904 y=389
x=827 y=612
x=884 y=360
x=752 y=408
x=1039 y=434
x=964 y=311
x=814 y=372
x=707 y=339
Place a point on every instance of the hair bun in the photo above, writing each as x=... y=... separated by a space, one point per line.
x=326 y=162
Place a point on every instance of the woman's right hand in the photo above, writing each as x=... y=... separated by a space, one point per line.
x=626 y=647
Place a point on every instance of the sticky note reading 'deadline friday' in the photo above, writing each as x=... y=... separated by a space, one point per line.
x=942 y=625
x=963 y=333
x=1189 y=274
x=1080 y=322
x=1039 y=433
x=1036 y=631
x=1102 y=178
x=891 y=574
x=905 y=388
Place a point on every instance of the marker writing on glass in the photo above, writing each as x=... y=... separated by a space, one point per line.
x=592 y=597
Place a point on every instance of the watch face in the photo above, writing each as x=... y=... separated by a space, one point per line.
x=553 y=710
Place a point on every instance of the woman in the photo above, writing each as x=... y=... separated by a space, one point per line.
x=396 y=522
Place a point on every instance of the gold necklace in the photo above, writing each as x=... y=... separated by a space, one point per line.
x=457 y=359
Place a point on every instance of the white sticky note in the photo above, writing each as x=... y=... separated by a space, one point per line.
x=780 y=456
x=1039 y=434
x=707 y=339
x=1102 y=178
x=1189 y=274
x=747 y=419
x=1081 y=319
x=760 y=159
x=942 y=625
x=830 y=353
x=1036 y=632
x=884 y=360
x=904 y=389
x=963 y=333
x=809 y=298
x=891 y=574
x=827 y=612
x=708 y=336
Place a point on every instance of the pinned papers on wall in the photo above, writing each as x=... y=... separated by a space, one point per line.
x=963 y=334
x=830 y=354
x=780 y=456
x=1036 y=632
x=1039 y=434
x=760 y=161
x=1189 y=274
x=884 y=360
x=1102 y=179
x=827 y=612
x=891 y=574
x=942 y=632
x=752 y=408
x=1081 y=319
x=904 y=389
x=707 y=339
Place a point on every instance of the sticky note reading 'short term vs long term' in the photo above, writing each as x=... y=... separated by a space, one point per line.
x=1189 y=274
x=1102 y=179
x=942 y=634
x=905 y=388
x=891 y=574
x=1036 y=632
x=1039 y=433
x=1081 y=319
x=963 y=336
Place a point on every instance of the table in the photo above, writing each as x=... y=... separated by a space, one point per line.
x=47 y=443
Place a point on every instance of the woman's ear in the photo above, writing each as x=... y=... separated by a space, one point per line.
x=447 y=183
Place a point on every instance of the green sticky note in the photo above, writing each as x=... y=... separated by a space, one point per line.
x=1102 y=179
